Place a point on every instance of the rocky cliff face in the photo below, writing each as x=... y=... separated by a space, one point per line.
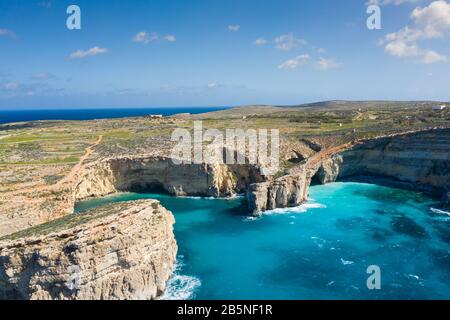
x=418 y=160
x=329 y=170
x=288 y=191
x=121 y=251
x=131 y=173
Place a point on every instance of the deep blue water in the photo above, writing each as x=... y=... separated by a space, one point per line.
x=320 y=250
x=7 y=116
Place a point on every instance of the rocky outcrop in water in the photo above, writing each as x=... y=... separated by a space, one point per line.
x=288 y=191
x=134 y=173
x=119 y=251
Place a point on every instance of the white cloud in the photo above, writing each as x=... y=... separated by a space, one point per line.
x=295 y=62
x=170 y=38
x=401 y=49
x=212 y=85
x=7 y=33
x=430 y=56
x=304 y=59
x=434 y=19
x=145 y=37
x=79 y=54
x=234 y=27
x=286 y=42
x=430 y=22
x=327 y=64
x=260 y=42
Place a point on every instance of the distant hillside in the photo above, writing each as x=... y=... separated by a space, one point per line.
x=239 y=112
x=243 y=112
x=351 y=105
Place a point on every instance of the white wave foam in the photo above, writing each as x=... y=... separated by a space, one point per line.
x=250 y=219
x=319 y=242
x=181 y=287
x=440 y=211
x=237 y=196
x=300 y=209
x=413 y=276
x=314 y=205
x=346 y=262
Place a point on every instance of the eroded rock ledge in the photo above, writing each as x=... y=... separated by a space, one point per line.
x=119 y=251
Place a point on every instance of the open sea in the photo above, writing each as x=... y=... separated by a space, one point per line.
x=8 y=116
x=320 y=250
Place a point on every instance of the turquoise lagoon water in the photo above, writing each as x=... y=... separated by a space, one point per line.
x=320 y=250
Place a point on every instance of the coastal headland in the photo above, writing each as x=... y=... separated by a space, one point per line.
x=128 y=251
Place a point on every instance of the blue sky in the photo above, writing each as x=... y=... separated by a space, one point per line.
x=220 y=52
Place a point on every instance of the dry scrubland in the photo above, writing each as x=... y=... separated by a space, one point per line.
x=39 y=154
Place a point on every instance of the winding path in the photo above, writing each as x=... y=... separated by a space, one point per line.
x=79 y=166
x=68 y=179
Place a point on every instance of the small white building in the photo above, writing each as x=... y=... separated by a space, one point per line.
x=442 y=107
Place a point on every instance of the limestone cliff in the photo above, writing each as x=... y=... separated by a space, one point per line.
x=120 y=251
x=131 y=173
x=418 y=160
x=421 y=160
x=329 y=170
x=288 y=191
x=126 y=173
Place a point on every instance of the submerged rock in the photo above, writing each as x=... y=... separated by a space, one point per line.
x=408 y=226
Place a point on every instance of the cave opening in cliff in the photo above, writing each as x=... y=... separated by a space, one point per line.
x=147 y=187
x=315 y=180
